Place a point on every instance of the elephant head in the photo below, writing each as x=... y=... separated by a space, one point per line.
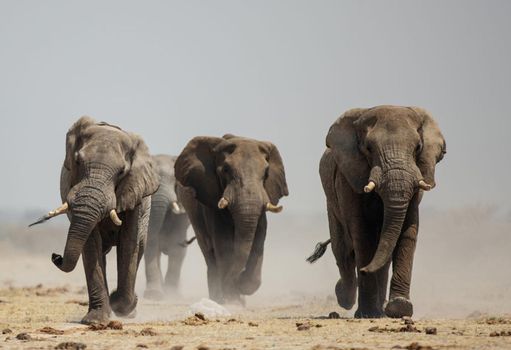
x=106 y=171
x=166 y=197
x=235 y=175
x=393 y=151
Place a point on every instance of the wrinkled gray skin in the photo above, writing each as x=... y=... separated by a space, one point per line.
x=248 y=174
x=106 y=168
x=167 y=233
x=395 y=147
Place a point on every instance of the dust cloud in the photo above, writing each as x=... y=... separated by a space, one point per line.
x=460 y=268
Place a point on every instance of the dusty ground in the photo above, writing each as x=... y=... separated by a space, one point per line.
x=458 y=286
x=29 y=310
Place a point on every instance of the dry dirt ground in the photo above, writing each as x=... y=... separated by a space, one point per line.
x=47 y=318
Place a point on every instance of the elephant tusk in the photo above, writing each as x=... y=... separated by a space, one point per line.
x=223 y=203
x=424 y=186
x=369 y=187
x=115 y=218
x=60 y=210
x=175 y=208
x=274 y=208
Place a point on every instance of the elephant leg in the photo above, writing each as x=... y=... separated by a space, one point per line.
x=173 y=275
x=154 y=280
x=364 y=237
x=152 y=256
x=251 y=278
x=213 y=273
x=200 y=217
x=399 y=304
x=176 y=252
x=223 y=250
x=94 y=266
x=213 y=276
x=383 y=280
x=369 y=305
x=346 y=287
x=129 y=251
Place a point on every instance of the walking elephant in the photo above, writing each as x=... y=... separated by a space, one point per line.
x=377 y=164
x=226 y=185
x=167 y=233
x=105 y=184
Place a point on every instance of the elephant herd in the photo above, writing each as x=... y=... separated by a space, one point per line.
x=376 y=166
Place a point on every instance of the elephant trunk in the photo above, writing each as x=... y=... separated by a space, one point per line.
x=160 y=205
x=89 y=204
x=396 y=189
x=246 y=219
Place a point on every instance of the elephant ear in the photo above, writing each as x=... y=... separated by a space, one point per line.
x=195 y=167
x=142 y=179
x=433 y=146
x=275 y=183
x=343 y=142
x=73 y=140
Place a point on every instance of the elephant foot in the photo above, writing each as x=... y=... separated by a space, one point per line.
x=123 y=306
x=171 y=289
x=370 y=313
x=154 y=294
x=96 y=316
x=237 y=299
x=346 y=294
x=398 y=307
x=248 y=285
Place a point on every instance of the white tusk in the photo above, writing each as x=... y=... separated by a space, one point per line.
x=175 y=208
x=424 y=186
x=369 y=187
x=274 y=208
x=223 y=203
x=115 y=218
x=60 y=210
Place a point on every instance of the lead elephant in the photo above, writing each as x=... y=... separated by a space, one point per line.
x=226 y=185
x=167 y=233
x=106 y=182
x=376 y=166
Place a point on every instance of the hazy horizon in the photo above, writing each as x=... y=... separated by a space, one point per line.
x=279 y=71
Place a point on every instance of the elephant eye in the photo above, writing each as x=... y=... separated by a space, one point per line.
x=418 y=148
x=122 y=171
x=78 y=158
x=226 y=169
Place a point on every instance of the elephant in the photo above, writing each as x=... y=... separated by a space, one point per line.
x=377 y=164
x=226 y=186
x=106 y=182
x=168 y=223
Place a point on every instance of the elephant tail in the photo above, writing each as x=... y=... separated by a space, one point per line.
x=186 y=243
x=318 y=251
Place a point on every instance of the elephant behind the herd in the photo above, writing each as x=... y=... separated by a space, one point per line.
x=167 y=233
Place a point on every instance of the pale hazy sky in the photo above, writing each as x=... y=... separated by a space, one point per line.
x=276 y=70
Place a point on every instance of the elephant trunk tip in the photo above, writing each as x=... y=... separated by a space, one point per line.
x=58 y=260
x=371 y=268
